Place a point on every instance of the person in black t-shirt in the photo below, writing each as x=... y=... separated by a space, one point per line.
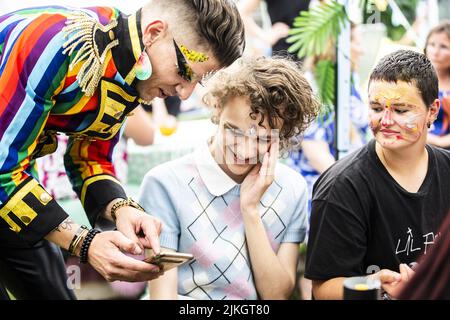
x=432 y=278
x=379 y=209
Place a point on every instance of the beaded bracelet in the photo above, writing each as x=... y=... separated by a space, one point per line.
x=86 y=244
x=124 y=203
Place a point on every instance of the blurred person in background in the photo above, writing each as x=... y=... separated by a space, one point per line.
x=282 y=14
x=318 y=150
x=437 y=49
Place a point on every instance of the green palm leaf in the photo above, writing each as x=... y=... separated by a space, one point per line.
x=325 y=78
x=312 y=28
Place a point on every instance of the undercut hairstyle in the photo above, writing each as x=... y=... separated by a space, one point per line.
x=411 y=67
x=217 y=25
x=275 y=88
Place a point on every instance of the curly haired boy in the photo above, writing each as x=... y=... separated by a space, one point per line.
x=239 y=212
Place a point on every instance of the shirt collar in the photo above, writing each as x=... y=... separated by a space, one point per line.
x=126 y=54
x=216 y=180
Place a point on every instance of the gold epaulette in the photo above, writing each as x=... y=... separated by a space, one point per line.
x=81 y=30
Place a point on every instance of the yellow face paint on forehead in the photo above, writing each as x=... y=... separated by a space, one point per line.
x=389 y=93
x=387 y=97
x=193 y=55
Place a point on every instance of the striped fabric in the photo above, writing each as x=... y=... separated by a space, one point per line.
x=40 y=97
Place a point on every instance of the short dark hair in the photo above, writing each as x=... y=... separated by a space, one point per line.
x=412 y=67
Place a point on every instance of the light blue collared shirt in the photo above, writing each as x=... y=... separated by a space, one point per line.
x=199 y=207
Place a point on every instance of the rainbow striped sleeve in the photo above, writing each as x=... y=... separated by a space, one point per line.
x=88 y=162
x=32 y=71
x=90 y=170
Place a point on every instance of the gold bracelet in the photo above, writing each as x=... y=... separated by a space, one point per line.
x=76 y=239
x=124 y=203
x=80 y=241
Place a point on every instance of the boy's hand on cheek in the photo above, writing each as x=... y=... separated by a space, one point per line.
x=259 y=180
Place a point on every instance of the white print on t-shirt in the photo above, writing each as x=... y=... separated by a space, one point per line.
x=409 y=246
x=373 y=268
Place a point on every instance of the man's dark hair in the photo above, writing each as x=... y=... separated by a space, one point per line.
x=411 y=67
x=220 y=23
x=217 y=25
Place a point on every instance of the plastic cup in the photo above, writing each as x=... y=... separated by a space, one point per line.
x=362 y=288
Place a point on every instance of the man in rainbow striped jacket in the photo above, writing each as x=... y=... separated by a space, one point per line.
x=81 y=72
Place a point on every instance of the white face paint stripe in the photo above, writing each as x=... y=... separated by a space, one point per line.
x=410 y=123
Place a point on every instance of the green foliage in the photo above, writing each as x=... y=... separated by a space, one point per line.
x=313 y=29
x=325 y=76
x=312 y=32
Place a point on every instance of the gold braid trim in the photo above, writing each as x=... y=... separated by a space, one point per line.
x=81 y=28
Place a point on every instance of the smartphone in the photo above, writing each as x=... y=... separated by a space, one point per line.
x=168 y=260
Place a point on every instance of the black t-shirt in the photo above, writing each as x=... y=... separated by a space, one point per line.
x=363 y=221
x=285 y=11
